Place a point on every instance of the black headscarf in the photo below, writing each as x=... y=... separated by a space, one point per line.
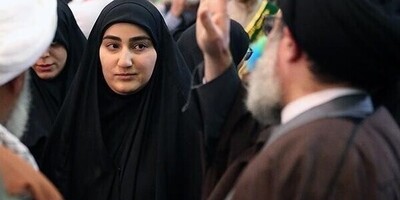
x=193 y=56
x=354 y=40
x=139 y=146
x=48 y=95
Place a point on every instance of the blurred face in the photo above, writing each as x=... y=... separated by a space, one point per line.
x=264 y=91
x=127 y=57
x=52 y=62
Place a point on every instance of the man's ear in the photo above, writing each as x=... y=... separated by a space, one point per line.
x=290 y=48
x=15 y=85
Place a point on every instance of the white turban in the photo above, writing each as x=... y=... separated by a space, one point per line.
x=27 y=28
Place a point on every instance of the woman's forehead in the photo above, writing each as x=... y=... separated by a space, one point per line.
x=126 y=31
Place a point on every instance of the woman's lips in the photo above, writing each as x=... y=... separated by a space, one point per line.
x=126 y=76
x=44 y=68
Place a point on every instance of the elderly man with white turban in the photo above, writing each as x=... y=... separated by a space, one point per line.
x=27 y=28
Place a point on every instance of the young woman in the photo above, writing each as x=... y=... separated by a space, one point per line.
x=121 y=133
x=51 y=78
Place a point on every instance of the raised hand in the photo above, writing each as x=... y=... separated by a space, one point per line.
x=212 y=33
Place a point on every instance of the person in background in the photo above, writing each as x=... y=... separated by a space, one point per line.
x=232 y=136
x=331 y=142
x=26 y=29
x=178 y=14
x=51 y=77
x=251 y=14
x=225 y=141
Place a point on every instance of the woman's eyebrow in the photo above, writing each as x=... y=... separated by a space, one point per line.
x=133 y=39
x=139 y=38
x=111 y=37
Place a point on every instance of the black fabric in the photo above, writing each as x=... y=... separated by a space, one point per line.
x=355 y=40
x=389 y=97
x=48 y=95
x=216 y=100
x=138 y=146
x=193 y=56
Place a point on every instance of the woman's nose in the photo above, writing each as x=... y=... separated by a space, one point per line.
x=125 y=59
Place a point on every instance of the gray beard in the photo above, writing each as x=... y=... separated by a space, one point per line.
x=264 y=91
x=16 y=124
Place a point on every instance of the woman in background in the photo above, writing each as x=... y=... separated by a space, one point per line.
x=51 y=78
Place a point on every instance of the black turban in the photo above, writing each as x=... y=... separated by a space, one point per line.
x=352 y=40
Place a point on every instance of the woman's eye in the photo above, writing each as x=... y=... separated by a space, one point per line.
x=112 y=46
x=139 y=46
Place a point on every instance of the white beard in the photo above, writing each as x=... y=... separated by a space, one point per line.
x=264 y=91
x=16 y=124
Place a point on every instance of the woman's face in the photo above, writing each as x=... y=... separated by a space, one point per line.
x=127 y=57
x=52 y=62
